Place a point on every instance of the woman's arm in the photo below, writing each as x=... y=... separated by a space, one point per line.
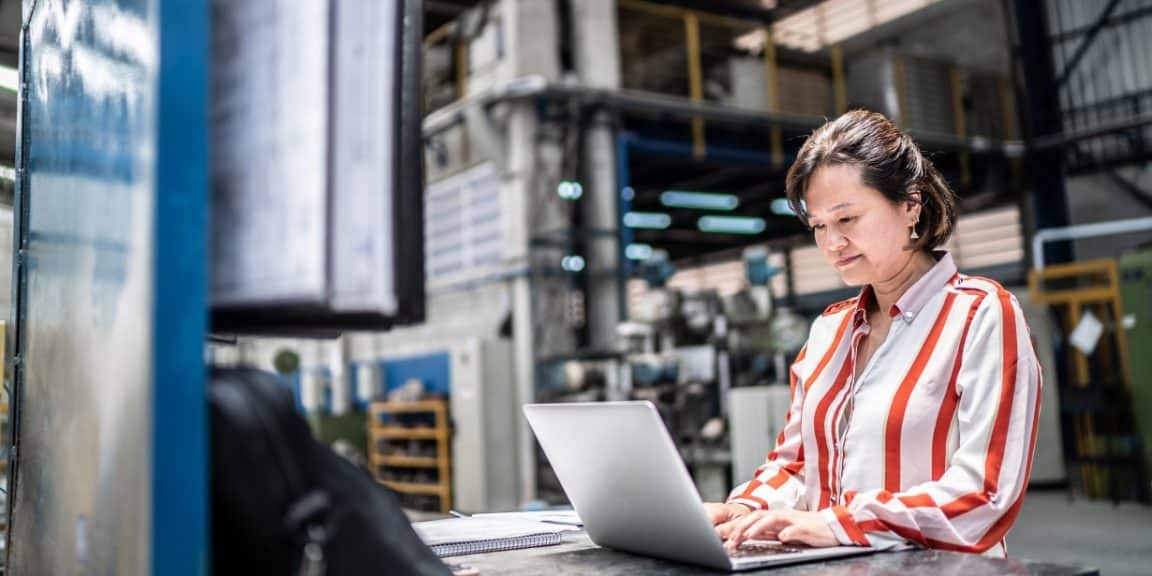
x=971 y=507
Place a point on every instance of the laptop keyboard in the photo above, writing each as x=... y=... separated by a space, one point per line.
x=756 y=549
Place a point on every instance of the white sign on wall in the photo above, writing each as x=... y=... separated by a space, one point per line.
x=463 y=228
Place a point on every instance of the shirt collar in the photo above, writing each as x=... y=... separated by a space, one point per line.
x=915 y=298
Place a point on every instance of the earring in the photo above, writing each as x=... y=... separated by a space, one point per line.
x=914 y=235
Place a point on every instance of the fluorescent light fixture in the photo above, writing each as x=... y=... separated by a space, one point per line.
x=574 y=263
x=699 y=200
x=648 y=220
x=9 y=78
x=731 y=225
x=782 y=207
x=638 y=252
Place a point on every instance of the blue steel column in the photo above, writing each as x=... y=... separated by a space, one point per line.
x=180 y=473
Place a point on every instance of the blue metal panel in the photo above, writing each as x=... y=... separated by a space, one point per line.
x=294 y=381
x=354 y=386
x=434 y=370
x=110 y=474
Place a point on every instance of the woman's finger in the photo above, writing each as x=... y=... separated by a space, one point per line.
x=793 y=533
x=766 y=523
x=766 y=528
x=738 y=526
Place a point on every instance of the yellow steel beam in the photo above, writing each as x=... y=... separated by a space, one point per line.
x=838 y=88
x=1118 y=318
x=1008 y=121
x=960 y=121
x=901 y=91
x=461 y=92
x=772 y=85
x=438 y=35
x=695 y=80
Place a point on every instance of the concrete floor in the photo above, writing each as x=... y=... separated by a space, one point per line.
x=1115 y=539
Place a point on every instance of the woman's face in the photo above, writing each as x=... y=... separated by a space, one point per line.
x=861 y=233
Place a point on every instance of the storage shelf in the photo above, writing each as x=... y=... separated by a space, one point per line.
x=406 y=407
x=407 y=433
x=388 y=430
x=413 y=488
x=406 y=461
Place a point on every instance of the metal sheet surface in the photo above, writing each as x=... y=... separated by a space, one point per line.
x=84 y=475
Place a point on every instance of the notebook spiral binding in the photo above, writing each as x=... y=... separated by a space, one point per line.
x=496 y=545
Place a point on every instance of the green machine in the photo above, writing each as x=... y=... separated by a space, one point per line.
x=1136 y=295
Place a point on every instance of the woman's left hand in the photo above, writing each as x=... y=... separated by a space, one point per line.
x=788 y=526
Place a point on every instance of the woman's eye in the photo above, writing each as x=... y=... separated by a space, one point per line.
x=847 y=219
x=817 y=227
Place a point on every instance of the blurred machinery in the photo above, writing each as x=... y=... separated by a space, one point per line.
x=690 y=353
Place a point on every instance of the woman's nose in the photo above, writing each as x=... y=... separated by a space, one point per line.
x=834 y=240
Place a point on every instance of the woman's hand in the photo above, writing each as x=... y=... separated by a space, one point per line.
x=789 y=526
x=720 y=513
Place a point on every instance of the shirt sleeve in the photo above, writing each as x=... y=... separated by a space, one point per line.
x=971 y=507
x=779 y=482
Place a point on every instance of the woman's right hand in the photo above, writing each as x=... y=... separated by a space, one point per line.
x=720 y=512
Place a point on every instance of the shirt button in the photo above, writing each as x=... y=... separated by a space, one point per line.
x=908 y=315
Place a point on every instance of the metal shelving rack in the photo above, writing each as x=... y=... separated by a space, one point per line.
x=382 y=427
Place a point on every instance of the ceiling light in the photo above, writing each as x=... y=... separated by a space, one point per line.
x=731 y=225
x=699 y=200
x=648 y=220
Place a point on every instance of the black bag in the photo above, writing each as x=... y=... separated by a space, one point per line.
x=284 y=504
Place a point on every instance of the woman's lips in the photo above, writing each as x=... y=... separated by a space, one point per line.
x=846 y=261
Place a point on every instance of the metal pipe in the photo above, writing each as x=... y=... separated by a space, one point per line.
x=1084 y=231
x=1065 y=138
x=1085 y=44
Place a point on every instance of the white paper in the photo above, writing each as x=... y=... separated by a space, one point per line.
x=1087 y=333
x=475 y=529
x=562 y=517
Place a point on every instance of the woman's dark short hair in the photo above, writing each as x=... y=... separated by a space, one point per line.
x=889 y=161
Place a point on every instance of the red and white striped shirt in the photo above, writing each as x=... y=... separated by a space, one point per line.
x=933 y=443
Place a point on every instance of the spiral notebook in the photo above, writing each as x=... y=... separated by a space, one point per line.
x=461 y=536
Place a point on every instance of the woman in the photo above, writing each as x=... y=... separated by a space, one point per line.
x=914 y=405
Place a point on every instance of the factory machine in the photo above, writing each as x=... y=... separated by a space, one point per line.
x=714 y=366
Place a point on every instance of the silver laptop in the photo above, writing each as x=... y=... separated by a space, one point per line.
x=629 y=486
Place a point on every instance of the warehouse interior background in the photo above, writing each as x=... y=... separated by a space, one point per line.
x=605 y=219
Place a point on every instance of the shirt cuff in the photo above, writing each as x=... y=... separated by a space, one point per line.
x=847 y=532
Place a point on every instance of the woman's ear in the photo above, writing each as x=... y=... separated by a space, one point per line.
x=913 y=205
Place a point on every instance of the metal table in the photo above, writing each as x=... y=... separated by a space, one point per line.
x=578 y=555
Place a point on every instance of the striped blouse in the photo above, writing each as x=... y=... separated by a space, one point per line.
x=932 y=444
